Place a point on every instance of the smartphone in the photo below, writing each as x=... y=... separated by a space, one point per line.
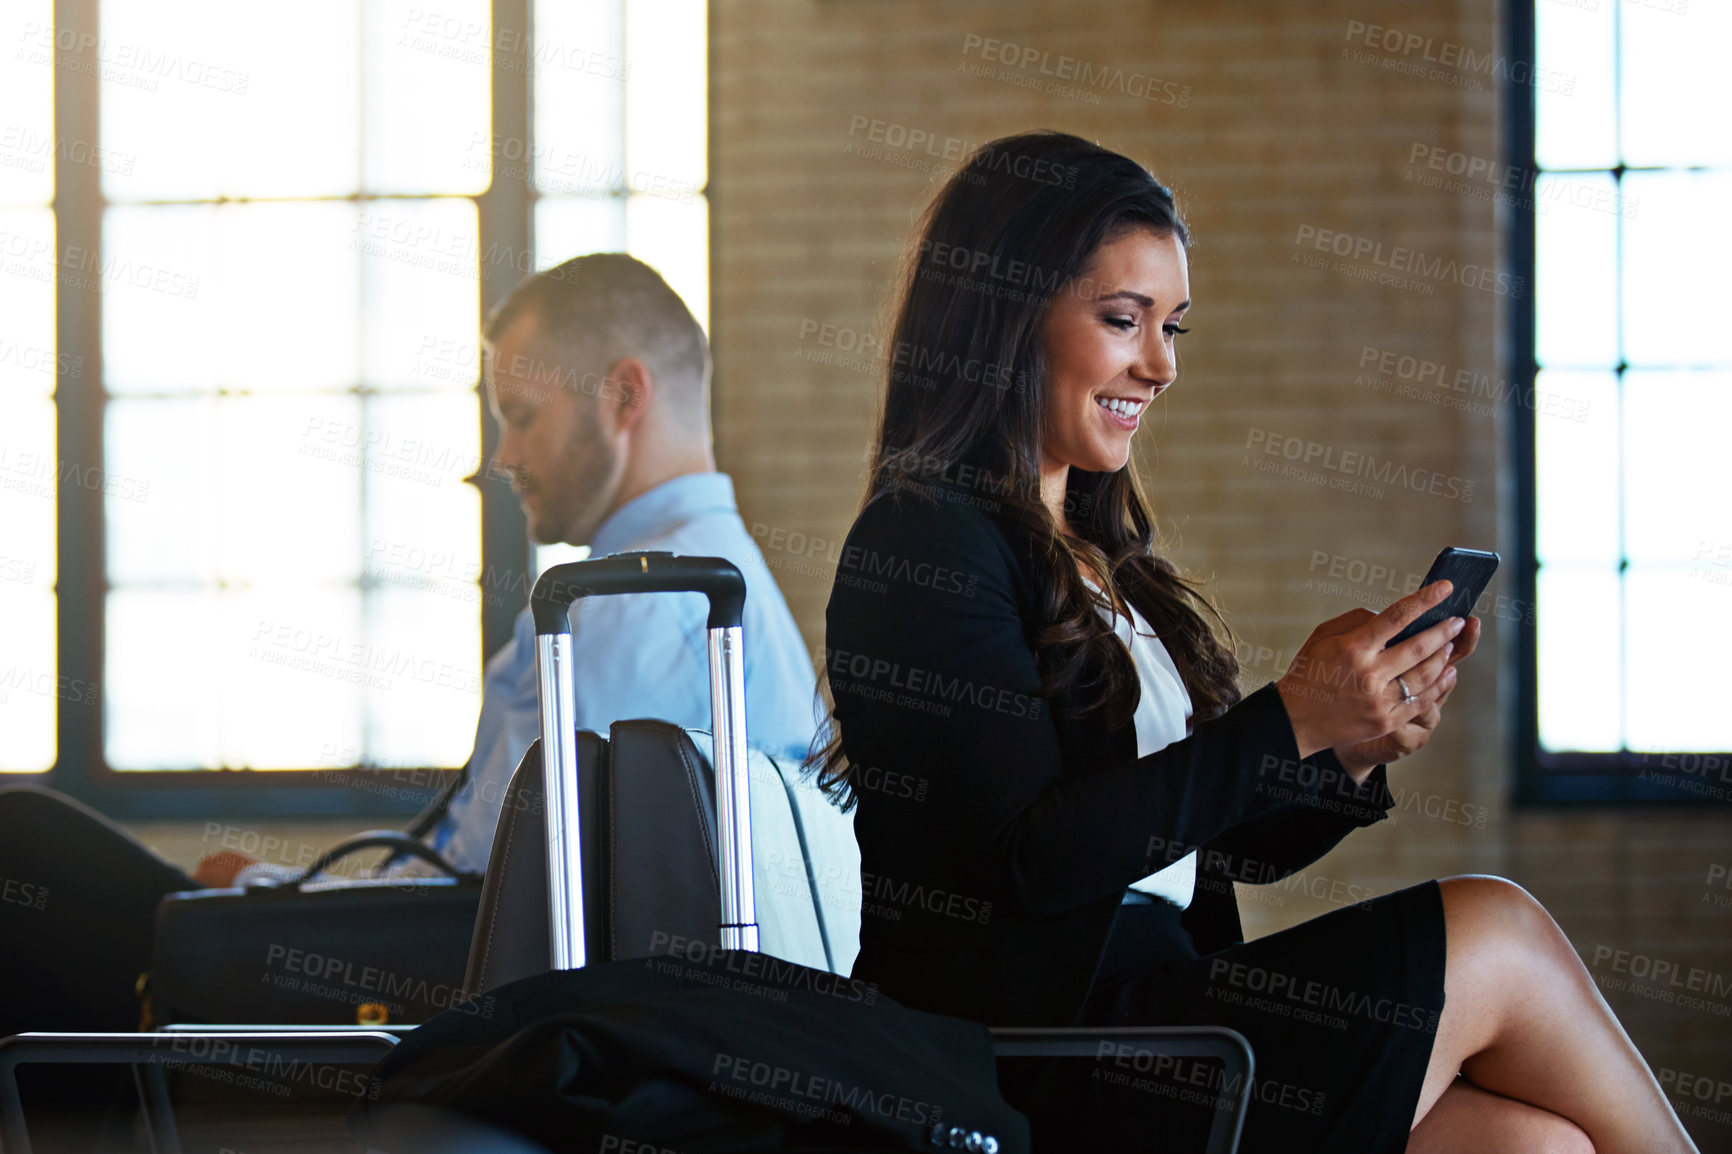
x=1469 y=572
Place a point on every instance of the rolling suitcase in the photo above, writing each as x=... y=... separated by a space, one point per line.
x=688 y=1044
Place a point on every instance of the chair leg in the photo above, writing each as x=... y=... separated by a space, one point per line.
x=158 y=1111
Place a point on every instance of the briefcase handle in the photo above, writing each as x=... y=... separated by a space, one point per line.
x=376 y=839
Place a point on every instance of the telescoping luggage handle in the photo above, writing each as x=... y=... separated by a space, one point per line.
x=550 y=603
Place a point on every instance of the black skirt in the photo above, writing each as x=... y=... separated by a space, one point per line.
x=1340 y=1012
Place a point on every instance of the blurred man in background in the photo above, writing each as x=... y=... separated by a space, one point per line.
x=599 y=377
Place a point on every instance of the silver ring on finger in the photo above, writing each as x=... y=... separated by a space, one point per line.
x=1407 y=697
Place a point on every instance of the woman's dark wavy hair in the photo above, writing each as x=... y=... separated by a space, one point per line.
x=1019 y=223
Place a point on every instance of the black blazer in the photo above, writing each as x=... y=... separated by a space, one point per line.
x=997 y=833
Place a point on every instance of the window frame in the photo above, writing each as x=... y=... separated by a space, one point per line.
x=505 y=223
x=1544 y=778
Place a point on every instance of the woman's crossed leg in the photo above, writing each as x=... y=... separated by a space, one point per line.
x=1543 y=1063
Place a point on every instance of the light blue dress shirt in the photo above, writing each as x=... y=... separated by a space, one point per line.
x=643 y=655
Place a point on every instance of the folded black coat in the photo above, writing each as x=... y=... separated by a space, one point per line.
x=706 y=1050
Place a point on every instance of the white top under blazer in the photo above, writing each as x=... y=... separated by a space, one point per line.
x=1162 y=713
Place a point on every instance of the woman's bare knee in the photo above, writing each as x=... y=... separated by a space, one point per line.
x=1483 y=903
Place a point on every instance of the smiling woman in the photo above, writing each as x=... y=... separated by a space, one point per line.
x=1093 y=797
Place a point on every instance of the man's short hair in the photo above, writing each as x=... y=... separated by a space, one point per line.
x=596 y=309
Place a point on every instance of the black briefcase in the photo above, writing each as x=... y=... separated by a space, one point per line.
x=316 y=952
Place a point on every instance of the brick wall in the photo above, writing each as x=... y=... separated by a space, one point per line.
x=1273 y=126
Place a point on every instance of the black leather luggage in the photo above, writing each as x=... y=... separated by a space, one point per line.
x=701 y=1037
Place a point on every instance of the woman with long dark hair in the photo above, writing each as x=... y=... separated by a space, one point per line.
x=1058 y=780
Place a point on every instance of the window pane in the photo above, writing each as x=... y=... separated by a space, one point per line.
x=255 y=297
x=673 y=237
x=27 y=145
x=1576 y=470
x=1677 y=246
x=1578 y=659
x=428 y=83
x=1573 y=128
x=1674 y=77
x=236 y=679
x=432 y=545
x=665 y=96
x=568 y=226
x=30 y=477
x=421 y=450
x=167 y=525
x=298 y=672
x=30 y=686
x=220 y=99
x=420 y=285
x=292 y=472
x=1575 y=273
x=162 y=680
x=27 y=353
x=1675 y=491
x=1677 y=676
x=580 y=77
x=424 y=679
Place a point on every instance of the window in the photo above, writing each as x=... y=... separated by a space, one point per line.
x=620 y=155
x=1628 y=548
x=248 y=520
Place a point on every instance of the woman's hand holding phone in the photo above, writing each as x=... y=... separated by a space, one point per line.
x=1342 y=693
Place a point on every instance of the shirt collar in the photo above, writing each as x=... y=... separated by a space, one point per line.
x=661 y=508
